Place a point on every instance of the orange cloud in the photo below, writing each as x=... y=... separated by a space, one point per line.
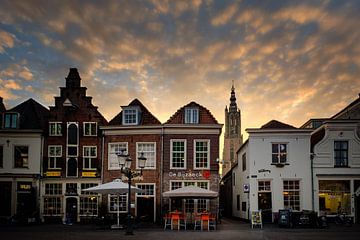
x=6 y=40
x=224 y=16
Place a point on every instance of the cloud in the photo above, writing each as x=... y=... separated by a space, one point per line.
x=224 y=16
x=7 y=40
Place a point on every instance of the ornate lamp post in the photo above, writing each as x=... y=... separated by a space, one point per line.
x=125 y=164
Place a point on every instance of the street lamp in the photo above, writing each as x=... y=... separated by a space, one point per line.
x=125 y=164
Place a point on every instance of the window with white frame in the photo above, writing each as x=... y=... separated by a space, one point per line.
x=54 y=156
x=202 y=154
x=90 y=157
x=130 y=116
x=72 y=139
x=21 y=156
x=52 y=199
x=117 y=201
x=178 y=154
x=291 y=194
x=11 y=120
x=88 y=206
x=191 y=115
x=90 y=128
x=149 y=150
x=113 y=150
x=279 y=153
x=55 y=128
x=264 y=186
x=148 y=189
x=341 y=149
x=175 y=185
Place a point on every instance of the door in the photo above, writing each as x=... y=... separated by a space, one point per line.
x=145 y=209
x=265 y=205
x=71 y=209
x=5 y=199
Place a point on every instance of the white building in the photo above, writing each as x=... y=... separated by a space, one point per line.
x=273 y=171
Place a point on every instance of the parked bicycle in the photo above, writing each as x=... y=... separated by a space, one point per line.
x=343 y=219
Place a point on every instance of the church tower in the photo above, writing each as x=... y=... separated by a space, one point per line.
x=232 y=136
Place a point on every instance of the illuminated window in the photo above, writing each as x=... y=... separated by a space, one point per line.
x=202 y=154
x=52 y=199
x=178 y=154
x=334 y=196
x=291 y=194
x=88 y=206
x=114 y=149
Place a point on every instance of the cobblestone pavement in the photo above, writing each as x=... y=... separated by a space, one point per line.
x=228 y=229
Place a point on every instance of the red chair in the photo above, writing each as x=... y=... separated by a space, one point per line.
x=205 y=221
x=175 y=220
x=167 y=220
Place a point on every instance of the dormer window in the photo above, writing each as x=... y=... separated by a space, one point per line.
x=11 y=120
x=130 y=116
x=191 y=115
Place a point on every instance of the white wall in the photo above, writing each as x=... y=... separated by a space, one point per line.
x=32 y=140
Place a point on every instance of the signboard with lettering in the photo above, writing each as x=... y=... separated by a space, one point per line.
x=24 y=187
x=53 y=174
x=88 y=174
x=190 y=174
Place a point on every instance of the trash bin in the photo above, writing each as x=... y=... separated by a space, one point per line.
x=285 y=218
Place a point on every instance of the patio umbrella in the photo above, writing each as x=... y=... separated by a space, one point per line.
x=115 y=187
x=190 y=192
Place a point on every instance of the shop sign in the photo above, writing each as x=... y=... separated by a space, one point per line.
x=53 y=174
x=88 y=174
x=24 y=186
x=189 y=174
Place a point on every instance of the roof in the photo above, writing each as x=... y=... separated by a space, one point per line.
x=274 y=124
x=2 y=106
x=205 y=116
x=33 y=115
x=346 y=112
x=147 y=118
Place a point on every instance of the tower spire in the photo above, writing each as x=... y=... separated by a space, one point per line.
x=233 y=105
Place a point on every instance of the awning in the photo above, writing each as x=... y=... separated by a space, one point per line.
x=190 y=192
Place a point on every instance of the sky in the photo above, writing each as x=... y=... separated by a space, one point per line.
x=289 y=60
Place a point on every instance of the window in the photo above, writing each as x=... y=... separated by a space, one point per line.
x=202 y=154
x=1 y=156
x=264 y=186
x=89 y=157
x=335 y=196
x=149 y=150
x=55 y=129
x=244 y=162
x=233 y=179
x=11 y=120
x=130 y=116
x=191 y=115
x=279 y=153
x=341 y=153
x=148 y=189
x=88 y=201
x=90 y=128
x=178 y=154
x=72 y=139
x=114 y=149
x=71 y=189
x=291 y=194
x=238 y=202
x=21 y=156
x=54 y=155
x=175 y=185
x=117 y=201
x=243 y=206
x=52 y=200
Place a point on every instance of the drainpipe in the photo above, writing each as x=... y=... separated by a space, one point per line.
x=161 y=170
x=312 y=155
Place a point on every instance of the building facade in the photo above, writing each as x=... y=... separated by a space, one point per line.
x=232 y=135
x=190 y=153
x=135 y=131
x=273 y=171
x=72 y=155
x=336 y=163
x=21 y=141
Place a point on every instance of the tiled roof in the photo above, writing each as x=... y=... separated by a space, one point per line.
x=33 y=115
x=147 y=118
x=205 y=116
x=273 y=124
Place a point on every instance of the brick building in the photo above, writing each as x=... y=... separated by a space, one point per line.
x=191 y=150
x=72 y=154
x=135 y=131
